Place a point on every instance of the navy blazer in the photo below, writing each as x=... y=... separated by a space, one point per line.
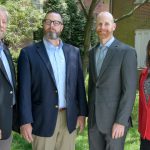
x=38 y=96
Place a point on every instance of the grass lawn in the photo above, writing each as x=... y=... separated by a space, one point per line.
x=132 y=140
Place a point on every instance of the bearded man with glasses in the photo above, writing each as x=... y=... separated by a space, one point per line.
x=52 y=101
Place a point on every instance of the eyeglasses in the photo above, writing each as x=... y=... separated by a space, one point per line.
x=55 y=22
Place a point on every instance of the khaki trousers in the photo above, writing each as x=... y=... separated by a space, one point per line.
x=61 y=139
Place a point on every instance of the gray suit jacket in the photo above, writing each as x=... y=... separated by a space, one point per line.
x=111 y=95
x=6 y=97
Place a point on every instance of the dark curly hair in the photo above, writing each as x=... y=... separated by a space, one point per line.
x=148 y=54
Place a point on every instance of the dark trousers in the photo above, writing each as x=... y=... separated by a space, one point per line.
x=101 y=141
x=145 y=144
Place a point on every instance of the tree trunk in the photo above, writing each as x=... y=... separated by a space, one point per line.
x=87 y=35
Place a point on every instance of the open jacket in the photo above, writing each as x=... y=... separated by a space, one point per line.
x=144 y=108
x=38 y=94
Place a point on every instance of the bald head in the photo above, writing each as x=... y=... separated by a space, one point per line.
x=105 y=14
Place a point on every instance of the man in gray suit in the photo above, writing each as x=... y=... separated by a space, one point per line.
x=112 y=87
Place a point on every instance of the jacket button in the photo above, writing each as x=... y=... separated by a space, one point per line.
x=56 y=106
x=11 y=92
x=11 y=106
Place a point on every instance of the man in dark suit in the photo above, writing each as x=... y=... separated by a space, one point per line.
x=52 y=101
x=112 y=87
x=7 y=86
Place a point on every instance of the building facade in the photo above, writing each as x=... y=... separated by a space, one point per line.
x=135 y=29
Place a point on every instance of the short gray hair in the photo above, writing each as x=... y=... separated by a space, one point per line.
x=4 y=10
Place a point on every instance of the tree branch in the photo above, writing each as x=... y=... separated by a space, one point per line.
x=84 y=8
x=132 y=11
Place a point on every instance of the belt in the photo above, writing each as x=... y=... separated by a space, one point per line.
x=62 y=109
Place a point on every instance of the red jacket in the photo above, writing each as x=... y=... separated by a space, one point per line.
x=144 y=108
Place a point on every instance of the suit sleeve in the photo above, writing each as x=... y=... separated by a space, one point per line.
x=24 y=89
x=81 y=95
x=128 y=87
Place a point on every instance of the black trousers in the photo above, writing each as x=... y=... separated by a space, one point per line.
x=145 y=144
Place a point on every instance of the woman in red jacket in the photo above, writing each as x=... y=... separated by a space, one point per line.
x=144 y=104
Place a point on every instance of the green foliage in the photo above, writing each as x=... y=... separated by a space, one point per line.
x=15 y=55
x=19 y=143
x=133 y=138
x=24 y=19
x=74 y=25
x=55 y=5
x=2 y=1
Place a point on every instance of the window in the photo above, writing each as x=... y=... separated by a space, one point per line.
x=142 y=37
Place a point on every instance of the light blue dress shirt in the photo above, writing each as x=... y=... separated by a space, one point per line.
x=6 y=66
x=57 y=59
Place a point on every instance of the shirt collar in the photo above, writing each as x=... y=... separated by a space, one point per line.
x=1 y=46
x=50 y=45
x=108 y=43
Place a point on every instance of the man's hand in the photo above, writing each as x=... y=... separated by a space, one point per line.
x=117 y=131
x=0 y=134
x=26 y=132
x=80 y=123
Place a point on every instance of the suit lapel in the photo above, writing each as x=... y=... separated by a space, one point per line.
x=43 y=54
x=3 y=70
x=111 y=51
x=93 y=64
x=66 y=55
x=12 y=69
x=7 y=54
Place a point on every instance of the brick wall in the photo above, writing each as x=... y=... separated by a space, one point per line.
x=139 y=20
x=101 y=6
